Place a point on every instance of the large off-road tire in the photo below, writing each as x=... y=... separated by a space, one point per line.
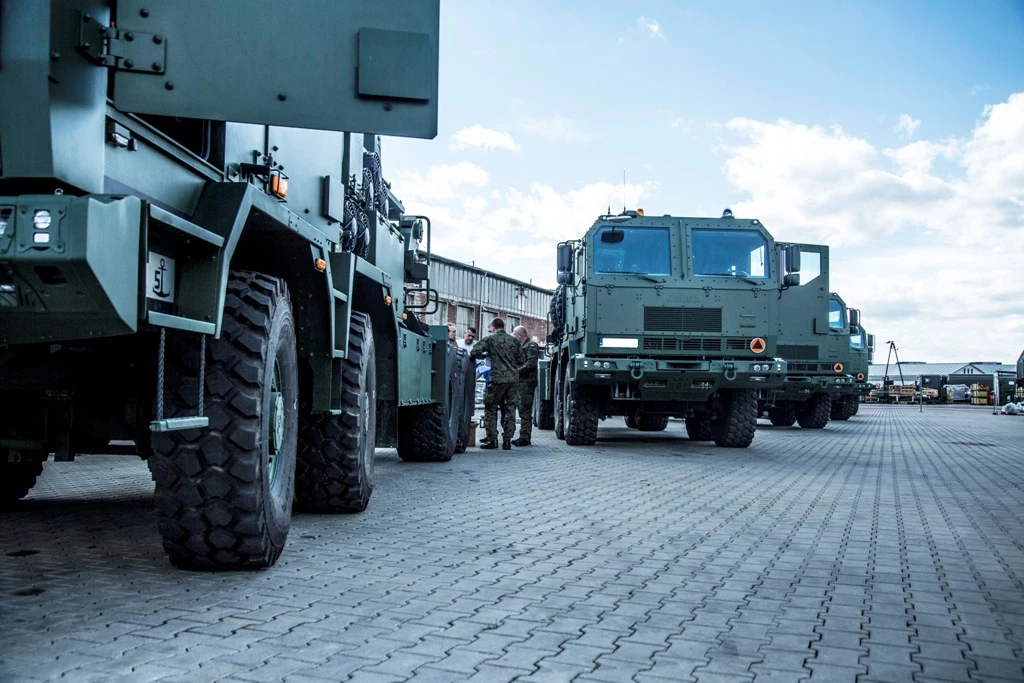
x=651 y=423
x=556 y=311
x=630 y=420
x=224 y=494
x=736 y=421
x=429 y=433
x=18 y=478
x=468 y=368
x=783 y=415
x=334 y=470
x=843 y=407
x=698 y=427
x=581 y=415
x=856 y=406
x=560 y=404
x=815 y=411
x=545 y=414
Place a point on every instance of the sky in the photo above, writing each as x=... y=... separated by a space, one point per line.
x=891 y=131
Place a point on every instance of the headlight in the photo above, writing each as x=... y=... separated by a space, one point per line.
x=756 y=368
x=606 y=365
x=586 y=363
x=41 y=220
x=619 y=343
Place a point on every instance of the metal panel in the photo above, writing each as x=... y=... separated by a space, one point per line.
x=289 y=64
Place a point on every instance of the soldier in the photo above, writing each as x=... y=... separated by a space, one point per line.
x=527 y=385
x=506 y=355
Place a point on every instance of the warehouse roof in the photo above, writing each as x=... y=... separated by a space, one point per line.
x=913 y=369
x=489 y=273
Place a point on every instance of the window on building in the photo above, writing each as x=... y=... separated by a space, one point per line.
x=513 y=322
x=464 y=318
x=485 y=319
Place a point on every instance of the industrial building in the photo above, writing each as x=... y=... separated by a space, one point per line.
x=938 y=375
x=469 y=296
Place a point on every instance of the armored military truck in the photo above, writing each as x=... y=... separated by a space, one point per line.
x=201 y=263
x=814 y=339
x=659 y=317
x=857 y=361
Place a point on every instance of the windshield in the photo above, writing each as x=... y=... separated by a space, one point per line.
x=835 y=315
x=857 y=340
x=730 y=253
x=644 y=251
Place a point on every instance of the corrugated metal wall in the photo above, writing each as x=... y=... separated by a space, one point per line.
x=464 y=284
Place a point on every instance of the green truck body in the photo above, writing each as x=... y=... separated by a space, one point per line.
x=814 y=339
x=199 y=259
x=660 y=317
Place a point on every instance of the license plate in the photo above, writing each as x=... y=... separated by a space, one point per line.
x=160 y=277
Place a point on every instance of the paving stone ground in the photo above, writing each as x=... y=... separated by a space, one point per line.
x=885 y=548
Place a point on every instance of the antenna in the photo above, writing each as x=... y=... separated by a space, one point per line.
x=623 y=190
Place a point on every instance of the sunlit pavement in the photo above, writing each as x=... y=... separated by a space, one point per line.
x=886 y=548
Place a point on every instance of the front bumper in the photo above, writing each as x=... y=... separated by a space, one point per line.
x=676 y=380
x=801 y=387
x=75 y=278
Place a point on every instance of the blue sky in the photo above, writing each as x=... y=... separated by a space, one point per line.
x=887 y=130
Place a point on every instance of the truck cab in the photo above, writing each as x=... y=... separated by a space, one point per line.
x=660 y=317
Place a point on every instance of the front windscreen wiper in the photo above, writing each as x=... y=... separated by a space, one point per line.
x=741 y=277
x=643 y=275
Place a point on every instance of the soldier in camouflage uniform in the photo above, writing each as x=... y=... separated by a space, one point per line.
x=527 y=385
x=507 y=357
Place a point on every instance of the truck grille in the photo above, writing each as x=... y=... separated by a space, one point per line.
x=673 y=344
x=675 y=319
x=737 y=344
x=798 y=352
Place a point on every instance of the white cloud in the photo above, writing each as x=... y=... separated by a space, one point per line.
x=476 y=136
x=556 y=129
x=651 y=27
x=439 y=183
x=906 y=126
x=512 y=230
x=932 y=258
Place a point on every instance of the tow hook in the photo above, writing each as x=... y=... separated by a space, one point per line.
x=636 y=369
x=730 y=372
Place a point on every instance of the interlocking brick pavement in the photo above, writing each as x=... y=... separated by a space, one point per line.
x=886 y=548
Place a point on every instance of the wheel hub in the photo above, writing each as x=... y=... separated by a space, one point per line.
x=276 y=421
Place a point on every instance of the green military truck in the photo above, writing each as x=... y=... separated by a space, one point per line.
x=199 y=264
x=659 y=317
x=814 y=340
x=857 y=361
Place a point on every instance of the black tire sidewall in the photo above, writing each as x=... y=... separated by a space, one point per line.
x=278 y=495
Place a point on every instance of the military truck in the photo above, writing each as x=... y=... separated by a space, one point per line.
x=201 y=262
x=858 y=361
x=659 y=317
x=814 y=340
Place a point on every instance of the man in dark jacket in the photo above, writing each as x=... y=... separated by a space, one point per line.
x=527 y=385
x=506 y=355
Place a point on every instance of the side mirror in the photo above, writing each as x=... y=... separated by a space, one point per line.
x=564 y=259
x=564 y=277
x=871 y=342
x=793 y=258
x=791 y=280
x=854 y=317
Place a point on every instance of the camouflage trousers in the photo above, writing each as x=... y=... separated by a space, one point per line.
x=505 y=398
x=526 y=392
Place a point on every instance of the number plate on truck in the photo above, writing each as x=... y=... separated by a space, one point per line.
x=160 y=277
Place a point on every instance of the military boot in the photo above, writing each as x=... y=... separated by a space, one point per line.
x=488 y=445
x=521 y=442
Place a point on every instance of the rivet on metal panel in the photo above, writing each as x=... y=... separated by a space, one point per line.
x=157 y=66
x=169 y=85
x=143 y=12
x=129 y=36
x=281 y=96
x=54 y=56
x=129 y=64
x=158 y=40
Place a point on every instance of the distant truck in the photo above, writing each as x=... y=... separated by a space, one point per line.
x=199 y=263
x=814 y=339
x=858 y=363
x=659 y=317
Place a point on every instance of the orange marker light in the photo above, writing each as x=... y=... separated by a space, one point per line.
x=860 y=376
x=387 y=300
x=321 y=265
x=757 y=345
x=405 y=316
x=838 y=367
x=639 y=212
x=278 y=186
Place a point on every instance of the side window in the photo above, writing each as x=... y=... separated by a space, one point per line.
x=836 y=319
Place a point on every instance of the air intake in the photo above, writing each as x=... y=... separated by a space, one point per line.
x=672 y=319
x=798 y=352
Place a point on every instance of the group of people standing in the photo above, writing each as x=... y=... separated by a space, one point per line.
x=513 y=380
